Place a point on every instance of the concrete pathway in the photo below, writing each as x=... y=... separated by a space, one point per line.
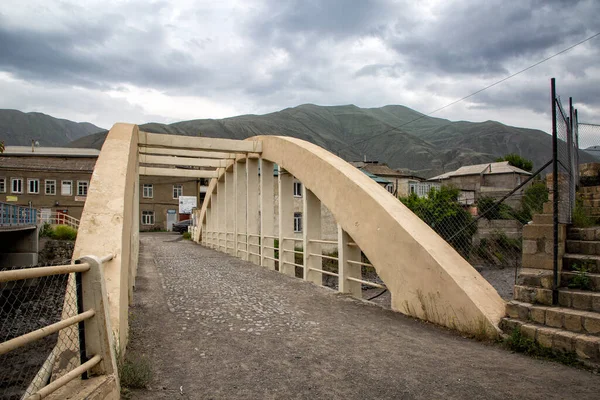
x=215 y=327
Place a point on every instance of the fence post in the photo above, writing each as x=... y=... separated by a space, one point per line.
x=98 y=332
x=345 y=269
x=554 y=193
x=311 y=230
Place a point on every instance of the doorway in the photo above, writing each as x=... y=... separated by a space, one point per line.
x=171 y=219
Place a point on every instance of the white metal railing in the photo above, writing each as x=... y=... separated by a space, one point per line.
x=97 y=310
x=55 y=218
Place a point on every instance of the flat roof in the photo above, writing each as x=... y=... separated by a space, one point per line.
x=23 y=151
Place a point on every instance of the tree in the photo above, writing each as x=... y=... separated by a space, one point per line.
x=517 y=161
x=444 y=214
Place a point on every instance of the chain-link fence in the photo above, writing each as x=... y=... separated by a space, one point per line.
x=28 y=305
x=488 y=233
x=566 y=161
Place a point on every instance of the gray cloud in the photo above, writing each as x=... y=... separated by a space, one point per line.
x=266 y=55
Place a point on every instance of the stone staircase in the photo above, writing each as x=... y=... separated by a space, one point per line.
x=574 y=324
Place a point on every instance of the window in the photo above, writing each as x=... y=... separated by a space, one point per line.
x=177 y=191
x=390 y=188
x=297 y=222
x=50 y=187
x=66 y=188
x=2 y=185
x=297 y=189
x=82 y=188
x=16 y=185
x=148 y=191
x=33 y=186
x=147 y=217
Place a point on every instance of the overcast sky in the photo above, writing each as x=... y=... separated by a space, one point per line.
x=164 y=61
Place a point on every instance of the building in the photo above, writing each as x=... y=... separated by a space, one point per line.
x=55 y=180
x=402 y=183
x=52 y=179
x=485 y=180
x=159 y=200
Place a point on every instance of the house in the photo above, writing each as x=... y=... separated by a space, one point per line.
x=485 y=180
x=55 y=180
x=402 y=183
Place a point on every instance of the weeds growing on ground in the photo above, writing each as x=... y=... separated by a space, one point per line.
x=521 y=344
x=581 y=280
x=187 y=235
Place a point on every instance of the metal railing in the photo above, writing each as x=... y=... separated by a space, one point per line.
x=56 y=218
x=95 y=352
x=14 y=215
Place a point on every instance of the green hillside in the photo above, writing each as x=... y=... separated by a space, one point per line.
x=429 y=146
x=18 y=129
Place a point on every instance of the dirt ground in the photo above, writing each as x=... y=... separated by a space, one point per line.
x=216 y=327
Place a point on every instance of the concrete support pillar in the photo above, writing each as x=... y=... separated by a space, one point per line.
x=206 y=230
x=239 y=176
x=267 y=209
x=311 y=218
x=286 y=222
x=345 y=269
x=215 y=217
x=222 y=212
x=230 y=208
x=252 y=227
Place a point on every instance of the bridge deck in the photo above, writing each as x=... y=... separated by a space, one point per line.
x=218 y=327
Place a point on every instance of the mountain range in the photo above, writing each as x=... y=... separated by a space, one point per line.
x=19 y=129
x=397 y=135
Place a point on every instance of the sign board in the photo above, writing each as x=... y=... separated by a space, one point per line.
x=12 y=198
x=171 y=211
x=80 y=198
x=187 y=204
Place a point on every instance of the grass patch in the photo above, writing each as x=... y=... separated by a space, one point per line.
x=187 y=235
x=521 y=344
x=64 y=232
x=580 y=218
x=581 y=280
x=135 y=372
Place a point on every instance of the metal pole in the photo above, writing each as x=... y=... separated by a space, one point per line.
x=81 y=324
x=555 y=193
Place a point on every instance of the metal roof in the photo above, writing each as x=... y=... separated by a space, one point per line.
x=375 y=177
x=487 y=169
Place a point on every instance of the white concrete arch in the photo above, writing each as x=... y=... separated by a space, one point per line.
x=426 y=277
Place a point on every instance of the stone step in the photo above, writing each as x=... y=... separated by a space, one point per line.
x=589 y=247
x=577 y=321
x=590 y=189
x=572 y=261
x=580 y=280
x=533 y=277
x=592 y=233
x=591 y=211
x=587 y=347
x=532 y=294
x=595 y=203
x=576 y=298
x=543 y=219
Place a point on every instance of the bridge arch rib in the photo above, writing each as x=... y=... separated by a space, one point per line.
x=426 y=277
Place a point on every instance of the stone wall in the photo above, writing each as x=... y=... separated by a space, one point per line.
x=486 y=229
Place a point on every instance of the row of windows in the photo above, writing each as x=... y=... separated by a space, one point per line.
x=148 y=191
x=50 y=186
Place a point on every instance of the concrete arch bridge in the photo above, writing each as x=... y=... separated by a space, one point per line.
x=249 y=212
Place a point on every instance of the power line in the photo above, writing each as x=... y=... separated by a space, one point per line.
x=472 y=94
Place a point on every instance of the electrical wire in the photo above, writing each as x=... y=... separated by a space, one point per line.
x=472 y=94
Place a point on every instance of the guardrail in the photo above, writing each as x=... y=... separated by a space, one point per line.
x=96 y=354
x=59 y=219
x=14 y=215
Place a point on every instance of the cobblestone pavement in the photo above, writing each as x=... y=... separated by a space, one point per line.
x=216 y=327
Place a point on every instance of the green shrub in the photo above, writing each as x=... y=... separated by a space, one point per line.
x=521 y=344
x=135 y=372
x=187 y=235
x=445 y=215
x=46 y=230
x=64 y=232
x=581 y=280
x=580 y=218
